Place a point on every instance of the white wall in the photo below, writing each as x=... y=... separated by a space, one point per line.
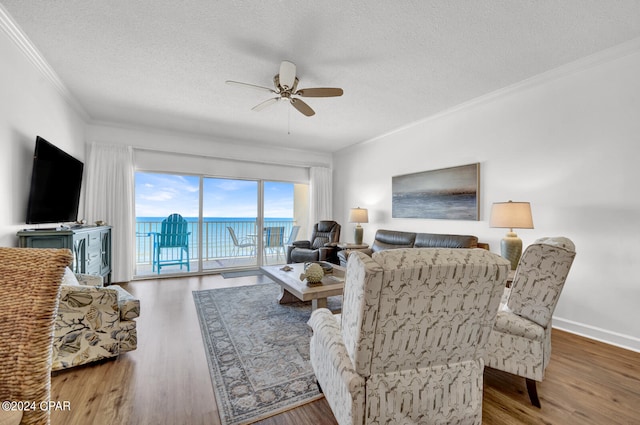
x=157 y=150
x=31 y=105
x=567 y=142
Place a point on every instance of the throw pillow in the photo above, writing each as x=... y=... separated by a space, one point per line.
x=69 y=278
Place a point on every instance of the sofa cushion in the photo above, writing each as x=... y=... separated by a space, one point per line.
x=434 y=240
x=391 y=239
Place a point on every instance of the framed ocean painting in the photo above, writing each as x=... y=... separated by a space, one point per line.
x=448 y=193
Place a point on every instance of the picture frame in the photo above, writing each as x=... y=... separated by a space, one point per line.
x=444 y=194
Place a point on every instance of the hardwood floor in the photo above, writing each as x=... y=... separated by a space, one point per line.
x=166 y=380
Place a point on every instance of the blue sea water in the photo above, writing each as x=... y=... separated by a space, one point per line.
x=216 y=237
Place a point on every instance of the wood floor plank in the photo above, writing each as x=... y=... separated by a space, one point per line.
x=166 y=380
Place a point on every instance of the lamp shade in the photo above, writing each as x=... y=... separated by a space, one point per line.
x=511 y=215
x=358 y=215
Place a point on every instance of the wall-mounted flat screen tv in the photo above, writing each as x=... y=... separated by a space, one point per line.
x=56 y=181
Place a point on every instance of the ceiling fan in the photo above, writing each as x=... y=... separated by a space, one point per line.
x=286 y=87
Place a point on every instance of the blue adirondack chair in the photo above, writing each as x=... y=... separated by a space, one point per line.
x=173 y=238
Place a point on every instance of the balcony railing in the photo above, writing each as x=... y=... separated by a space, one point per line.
x=217 y=243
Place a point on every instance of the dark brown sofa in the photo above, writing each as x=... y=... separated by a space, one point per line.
x=392 y=239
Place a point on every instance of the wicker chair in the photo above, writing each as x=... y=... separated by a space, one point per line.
x=29 y=282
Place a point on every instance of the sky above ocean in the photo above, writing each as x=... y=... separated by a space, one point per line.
x=159 y=195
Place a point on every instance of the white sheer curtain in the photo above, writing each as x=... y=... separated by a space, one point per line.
x=321 y=194
x=109 y=197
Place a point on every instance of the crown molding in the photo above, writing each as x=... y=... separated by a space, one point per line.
x=604 y=56
x=24 y=44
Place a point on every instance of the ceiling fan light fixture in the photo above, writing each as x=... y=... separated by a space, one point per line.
x=286 y=86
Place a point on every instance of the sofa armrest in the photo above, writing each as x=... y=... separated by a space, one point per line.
x=89 y=279
x=302 y=244
x=128 y=305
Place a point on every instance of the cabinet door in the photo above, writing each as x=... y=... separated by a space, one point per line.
x=94 y=251
x=105 y=252
x=80 y=253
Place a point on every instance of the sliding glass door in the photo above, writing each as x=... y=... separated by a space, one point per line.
x=230 y=223
x=278 y=221
x=230 y=217
x=167 y=223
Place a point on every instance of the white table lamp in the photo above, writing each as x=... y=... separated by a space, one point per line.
x=358 y=215
x=511 y=215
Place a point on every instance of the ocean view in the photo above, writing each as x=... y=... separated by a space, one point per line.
x=216 y=237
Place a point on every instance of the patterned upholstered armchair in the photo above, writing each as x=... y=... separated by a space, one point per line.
x=321 y=247
x=93 y=322
x=520 y=342
x=408 y=346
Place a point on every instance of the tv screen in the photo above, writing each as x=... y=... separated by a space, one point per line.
x=56 y=180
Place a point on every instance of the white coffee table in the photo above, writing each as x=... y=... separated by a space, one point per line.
x=294 y=289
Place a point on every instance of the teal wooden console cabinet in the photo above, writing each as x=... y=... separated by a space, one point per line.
x=91 y=247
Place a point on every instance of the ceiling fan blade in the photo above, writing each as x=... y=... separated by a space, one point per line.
x=268 y=102
x=320 y=92
x=252 y=86
x=302 y=107
x=287 y=74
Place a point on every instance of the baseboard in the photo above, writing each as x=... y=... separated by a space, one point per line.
x=608 y=337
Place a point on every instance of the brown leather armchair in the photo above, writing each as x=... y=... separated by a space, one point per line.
x=321 y=247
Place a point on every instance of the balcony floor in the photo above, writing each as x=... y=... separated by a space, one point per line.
x=218 y=265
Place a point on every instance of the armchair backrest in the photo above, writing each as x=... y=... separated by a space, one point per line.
x=232 y=233
x=324 y=232
x=539 y=279
x=174 y=231
x=273 y=237
x=30 y=282
x=421 y=307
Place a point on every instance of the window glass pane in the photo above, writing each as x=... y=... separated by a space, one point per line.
x=157 y=197
x=230 y=211
x=278 y=220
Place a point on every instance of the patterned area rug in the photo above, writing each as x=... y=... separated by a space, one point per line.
x=257 y=350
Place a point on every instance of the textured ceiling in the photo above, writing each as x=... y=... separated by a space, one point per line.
x=164 y=63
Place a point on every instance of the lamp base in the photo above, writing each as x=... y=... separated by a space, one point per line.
x=511 y=248
x=357 y=235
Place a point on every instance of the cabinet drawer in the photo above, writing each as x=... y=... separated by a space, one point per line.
x=93 y=239
x=94 y=268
